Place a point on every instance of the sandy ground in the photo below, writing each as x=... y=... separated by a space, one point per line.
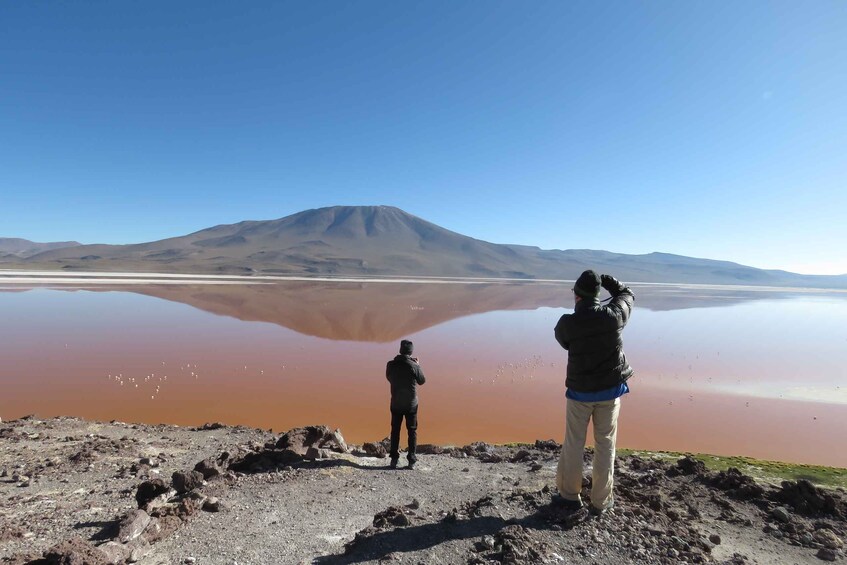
x=70 y=492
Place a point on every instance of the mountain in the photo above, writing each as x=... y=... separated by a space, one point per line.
x=386 y=241
x=22 y=248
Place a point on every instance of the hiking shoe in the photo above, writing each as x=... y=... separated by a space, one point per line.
x=561 y=502
x=393 y=464
x=597 y=512
x=411 y=465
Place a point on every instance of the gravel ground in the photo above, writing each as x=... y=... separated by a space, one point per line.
x=74 y=491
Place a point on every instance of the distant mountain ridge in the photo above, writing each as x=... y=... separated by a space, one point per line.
x=14 y=246
x=386 y=241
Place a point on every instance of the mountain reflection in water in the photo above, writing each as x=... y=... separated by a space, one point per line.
x=385 y=312
x=718 y=369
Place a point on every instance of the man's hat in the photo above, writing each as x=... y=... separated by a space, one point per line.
x=587 y=285
x=406 y=347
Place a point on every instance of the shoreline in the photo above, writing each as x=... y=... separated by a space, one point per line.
x=161 y=494
x=23 y=277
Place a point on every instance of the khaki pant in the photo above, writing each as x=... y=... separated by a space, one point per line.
x=569 y=473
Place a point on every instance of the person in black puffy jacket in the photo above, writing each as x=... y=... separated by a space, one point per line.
x=405 y=374
x=597 y=377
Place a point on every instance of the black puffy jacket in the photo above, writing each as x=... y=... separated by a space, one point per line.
x=405 y=375
x=592 y=336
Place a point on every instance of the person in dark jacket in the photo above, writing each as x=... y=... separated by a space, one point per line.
x=597 y=377
x=405 y=374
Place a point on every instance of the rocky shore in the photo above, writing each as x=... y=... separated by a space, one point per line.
x=79 y=492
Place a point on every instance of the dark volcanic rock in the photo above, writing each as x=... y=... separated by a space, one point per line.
x=211 y=426
x=132 y=525
x=827 y=554
x=75 y=551
x=162 y=527
x=375 y=449
x=519 y=547
x=186 y=481
x=300 y=440
x=429 y=449
x=547 y=445
x=736 y=484
x=688 y=465
x=148 y=490
x=213 y=466
x=212 y=504
x=267 y=460
x=391 y=516
x=809 y=500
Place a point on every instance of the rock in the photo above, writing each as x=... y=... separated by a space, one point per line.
x=536 y=467
x=132 y=525
x=338 y=440
x=656 y=501
x=148 y=490
x=300 y=440
x=679 y=543
x=781 y=514
x=518 y=546
x=160 y=528
x=547 y=445
x=490 y=457
x=186 y=481
x=827 y=554
x=316 y=453
x=116 y=553
x=189 y=506
x=705 y=544
x=429 y=449
x=267 y=460
x=391 y=516
x=212 y=426
x=75 y=551
x=828 y=539
x=212 y=466
x=715 y=539
x=736 y=484
x=521 y=455
x=488 y=542
x=688 y=465
x=212 y=504
x=375 y=449
x=809 y=500
x=149 y=461
x=139 y=549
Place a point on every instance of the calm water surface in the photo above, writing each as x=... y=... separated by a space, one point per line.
x=718 y=370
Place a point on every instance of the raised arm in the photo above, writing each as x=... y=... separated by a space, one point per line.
x=419 y=374
x=622 y=299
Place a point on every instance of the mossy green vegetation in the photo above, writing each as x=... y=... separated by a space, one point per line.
x=766 y=471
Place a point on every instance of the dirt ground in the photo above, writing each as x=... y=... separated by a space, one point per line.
x=75 y=492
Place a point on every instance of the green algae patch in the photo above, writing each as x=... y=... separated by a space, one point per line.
x=766 y=471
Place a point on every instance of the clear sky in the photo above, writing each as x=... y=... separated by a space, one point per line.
x=708 y=129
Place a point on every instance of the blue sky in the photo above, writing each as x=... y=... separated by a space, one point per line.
x=709 y=129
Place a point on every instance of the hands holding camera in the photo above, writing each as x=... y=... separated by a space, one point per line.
x=610 y=283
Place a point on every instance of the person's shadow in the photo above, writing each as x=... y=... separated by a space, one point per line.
x=414 y=538
x=425 y=536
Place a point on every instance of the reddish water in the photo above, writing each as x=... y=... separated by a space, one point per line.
x=718 y=371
